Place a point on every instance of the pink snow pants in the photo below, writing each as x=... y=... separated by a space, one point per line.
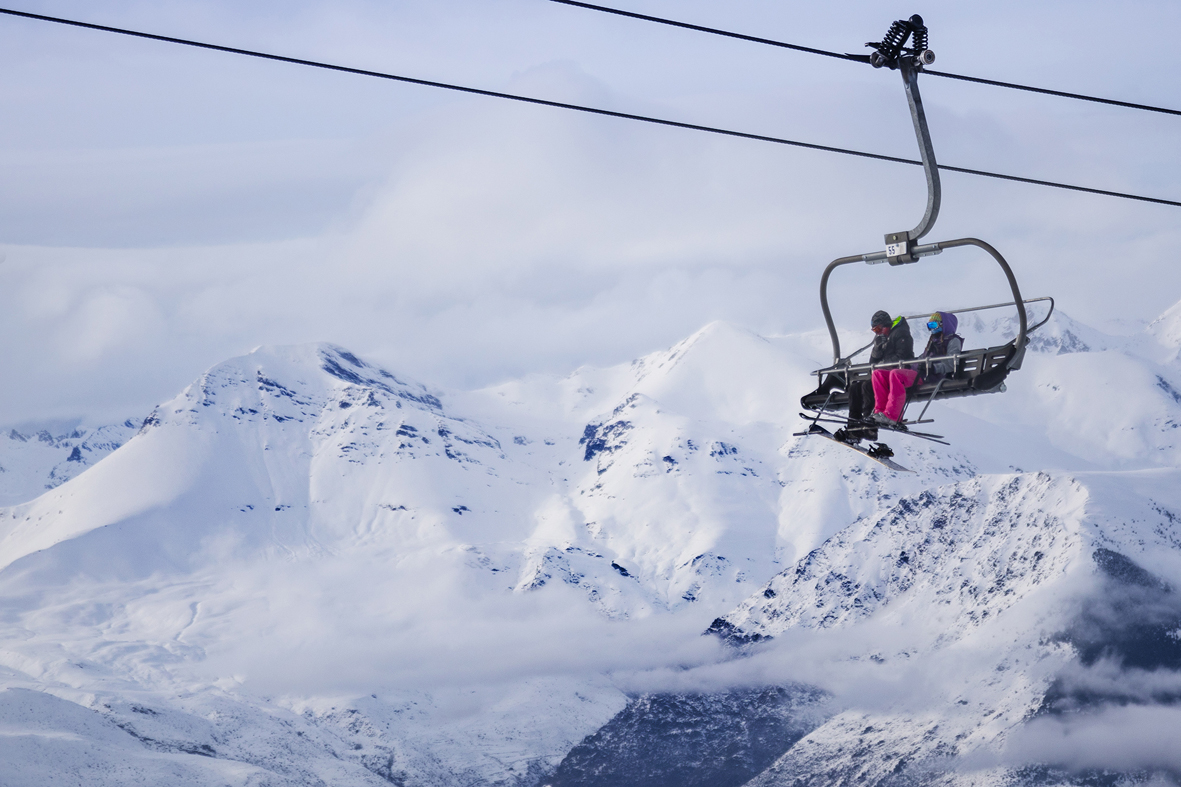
x=889 y=390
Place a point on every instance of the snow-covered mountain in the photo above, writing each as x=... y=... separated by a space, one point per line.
x=1166 y=329
x=36 y=457
x=306 y=569
x=995 y=572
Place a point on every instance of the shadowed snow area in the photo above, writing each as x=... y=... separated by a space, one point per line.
x=36 y=457
x=305 y=569
x=1166 y=329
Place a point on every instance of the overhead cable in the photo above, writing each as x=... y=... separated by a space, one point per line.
x=703 y=29
x=564 y=105
x=813 y=51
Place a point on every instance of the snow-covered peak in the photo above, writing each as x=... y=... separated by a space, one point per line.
x=294 y=378
x=969 y=550
x=987 y=601
x=39 y=456
x=1060 y=335
x=248 y=437
x=1166 y=329
x=300 y=500
x=723 y=373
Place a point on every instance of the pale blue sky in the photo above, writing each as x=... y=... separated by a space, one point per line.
x=163 y=208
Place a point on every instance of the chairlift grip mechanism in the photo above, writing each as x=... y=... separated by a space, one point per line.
x=989 y=366
x=891 y=52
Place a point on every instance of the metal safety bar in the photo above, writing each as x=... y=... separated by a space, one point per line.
x=992 y=306
x=931 y=399
x=909 y=364
x=1027 y=301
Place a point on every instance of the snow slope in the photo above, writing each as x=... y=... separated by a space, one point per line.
x=306 y=569
x=36 y=457
x=1166 y=330
x=989 y=573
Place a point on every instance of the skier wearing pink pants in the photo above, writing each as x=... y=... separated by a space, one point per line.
x=889 y=385
x=889 y=393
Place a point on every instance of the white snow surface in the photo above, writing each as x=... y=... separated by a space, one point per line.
x=36 y=457
x=1166 y=329
x=308 y=570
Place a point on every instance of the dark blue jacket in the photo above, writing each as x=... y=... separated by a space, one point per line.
x=897 y=345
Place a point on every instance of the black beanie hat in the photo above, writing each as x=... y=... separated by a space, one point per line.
x=880 y=318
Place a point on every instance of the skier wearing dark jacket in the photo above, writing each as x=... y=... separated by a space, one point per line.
x=893 y=343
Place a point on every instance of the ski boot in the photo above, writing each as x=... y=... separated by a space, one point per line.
x=846 y=437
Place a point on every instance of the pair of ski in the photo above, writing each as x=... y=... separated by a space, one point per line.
x=864 y=425
x=879 y=452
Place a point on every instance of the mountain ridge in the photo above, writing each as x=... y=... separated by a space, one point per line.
x=431 y=586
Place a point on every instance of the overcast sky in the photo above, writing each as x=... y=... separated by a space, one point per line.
x=163 y=208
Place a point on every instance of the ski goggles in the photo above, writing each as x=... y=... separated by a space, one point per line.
x=934 y=327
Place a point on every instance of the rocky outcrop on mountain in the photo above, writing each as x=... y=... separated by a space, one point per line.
x=34 y=458
x=959 y=570
x=307 y=569
x=692 y=740
x=955 y=744
x=970 y=550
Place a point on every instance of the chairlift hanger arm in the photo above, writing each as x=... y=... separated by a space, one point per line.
x=872 y=258
x=832 y=330
x=892 y=52
x=910 y=76
x=929 y=249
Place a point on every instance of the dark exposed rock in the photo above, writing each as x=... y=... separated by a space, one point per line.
x=692 y=740
x=1133 y=621
x=731 y=634
x=1044 y=776
x=604 y=438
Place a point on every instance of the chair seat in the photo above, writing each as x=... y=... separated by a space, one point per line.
x=977 y=372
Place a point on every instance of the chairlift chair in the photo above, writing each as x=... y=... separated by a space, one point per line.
x=974 y=372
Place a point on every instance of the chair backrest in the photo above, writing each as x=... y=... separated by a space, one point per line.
x=976 y=372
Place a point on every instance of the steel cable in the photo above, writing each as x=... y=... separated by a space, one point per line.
x=813 y=51
x=564 y=105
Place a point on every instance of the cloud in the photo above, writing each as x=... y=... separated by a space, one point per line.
x=422 y=622
x=1127 y=738
x=107 y=320
x=464 y=240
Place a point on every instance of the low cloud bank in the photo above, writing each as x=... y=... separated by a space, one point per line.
x=1127 y=738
